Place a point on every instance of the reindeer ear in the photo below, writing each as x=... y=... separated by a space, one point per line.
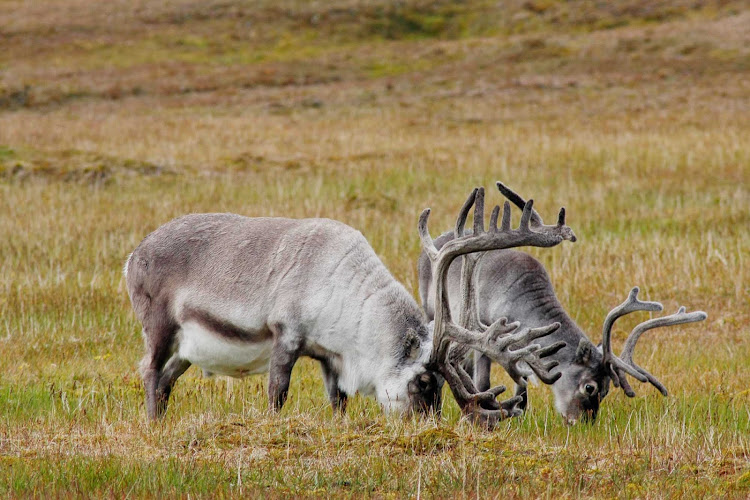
x=412 y=344
x=584 y=352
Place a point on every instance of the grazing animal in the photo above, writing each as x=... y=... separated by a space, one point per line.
x=237 y=295
x=514 y=285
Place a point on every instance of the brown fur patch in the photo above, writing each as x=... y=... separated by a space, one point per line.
x=224 y=328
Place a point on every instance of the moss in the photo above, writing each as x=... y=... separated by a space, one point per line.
x=437 y=439
x=743 y=482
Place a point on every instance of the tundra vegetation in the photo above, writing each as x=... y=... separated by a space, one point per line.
x=116 y=117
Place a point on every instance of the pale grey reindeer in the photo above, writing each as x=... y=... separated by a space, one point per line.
x=514 y=285
x=237 y=295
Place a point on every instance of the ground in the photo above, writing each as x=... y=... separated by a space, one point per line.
x=117 y=116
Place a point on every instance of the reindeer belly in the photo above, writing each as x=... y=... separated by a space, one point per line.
x=221 y=355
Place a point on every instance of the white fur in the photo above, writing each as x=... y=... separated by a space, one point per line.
x=392 y=393
x=220 y=356
x=212 y=352
x=127 y=263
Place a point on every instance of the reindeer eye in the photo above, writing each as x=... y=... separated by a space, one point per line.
x=590 y=389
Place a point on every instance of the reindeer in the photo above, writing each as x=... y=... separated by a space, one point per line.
x=514 y=285
x=237 y=296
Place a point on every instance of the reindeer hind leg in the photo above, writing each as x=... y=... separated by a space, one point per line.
x=175 y=367
x=159 y=334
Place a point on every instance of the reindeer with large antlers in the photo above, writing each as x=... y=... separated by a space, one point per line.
x=512 y=284
x=452 y=341
x=237 y=295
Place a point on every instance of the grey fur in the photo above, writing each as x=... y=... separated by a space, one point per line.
x=307 y=287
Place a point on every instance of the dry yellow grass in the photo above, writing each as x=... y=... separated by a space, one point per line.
x=121 y=118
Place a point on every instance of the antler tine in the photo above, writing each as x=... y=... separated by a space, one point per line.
x=536 y=219
x=493 y=219
x=680 y=317
x=528 y=212
x=424 y=235
x=479 y=212
x=469 y=390
x=567 y=233
x=506 y=217
x=481 y=407
x=532 y=218
x=464 y=212
x=630 y=305
x=542 y=368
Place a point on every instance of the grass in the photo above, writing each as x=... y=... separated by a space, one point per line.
x=635 y=119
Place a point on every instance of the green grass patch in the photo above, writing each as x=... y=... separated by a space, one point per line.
x=111 y=476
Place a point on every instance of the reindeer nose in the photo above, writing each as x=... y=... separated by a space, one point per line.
x=425 y=381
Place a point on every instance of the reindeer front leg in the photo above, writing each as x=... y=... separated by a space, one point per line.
x=284 y=355
x=482 y=366
x=336 y=396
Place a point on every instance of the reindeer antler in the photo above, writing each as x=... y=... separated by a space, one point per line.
x=469 y=311
x=536 y=219
x=619 y=366
x=451 y=341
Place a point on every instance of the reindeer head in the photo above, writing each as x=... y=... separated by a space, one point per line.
x=585 y=380
x=583 y=383
x=425 y=392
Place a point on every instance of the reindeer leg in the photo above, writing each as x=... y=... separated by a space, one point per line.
x=336 y=396
x=284 y=355
x=175 y=367
x=482 y=365
x=521 y=383
x=150 y=373
x=523 y=392
x=158 y=333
